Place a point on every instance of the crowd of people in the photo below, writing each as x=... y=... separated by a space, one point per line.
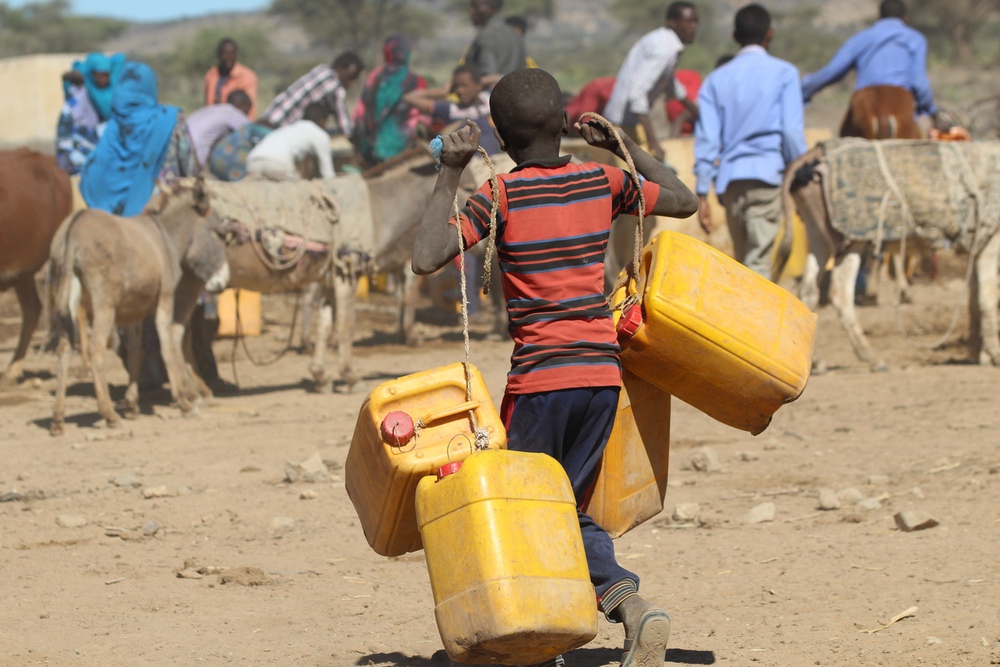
x=562 y=391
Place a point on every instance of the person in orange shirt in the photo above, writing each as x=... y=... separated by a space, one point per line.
x=229 y=76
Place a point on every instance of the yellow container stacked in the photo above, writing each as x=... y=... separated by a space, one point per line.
x=506 y=560
x=632 y=479
x=407 y=429
x=717 y=335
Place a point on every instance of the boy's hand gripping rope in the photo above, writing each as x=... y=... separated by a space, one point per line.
x=633 y=298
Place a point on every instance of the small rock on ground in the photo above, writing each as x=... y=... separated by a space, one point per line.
x=911 y=520
x=71 y=521
x=750 y=456
x=850 y=496
x=705 y=459
x=282 y=523
x=878 y=480
x=686 y=512
x=869 y=504
x=155 y=492
x=761 y=513
x=312 y=470
x=151 y=527
x=308 y=494
x=828 y=500
x=126 y=481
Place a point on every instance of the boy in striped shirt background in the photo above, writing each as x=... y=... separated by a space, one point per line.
x=553 y=224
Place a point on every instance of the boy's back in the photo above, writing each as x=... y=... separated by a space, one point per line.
x=553 y=224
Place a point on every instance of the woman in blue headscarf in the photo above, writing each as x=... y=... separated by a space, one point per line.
x=144 y=142
x=88 y=89
x=383 y=123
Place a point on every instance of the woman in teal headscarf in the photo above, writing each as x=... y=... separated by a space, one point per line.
x=88 y=89
x=383 y=123
x=144 y=142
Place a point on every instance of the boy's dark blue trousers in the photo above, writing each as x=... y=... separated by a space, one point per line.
x=573 y=427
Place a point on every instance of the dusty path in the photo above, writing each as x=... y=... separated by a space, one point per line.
x=796 y=591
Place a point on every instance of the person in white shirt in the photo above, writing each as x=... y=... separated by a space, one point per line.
x=280 y=155
x=648 y=72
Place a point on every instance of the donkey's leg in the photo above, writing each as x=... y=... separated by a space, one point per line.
x=842 y=281
x=31 y=308
x=102 y=322
x=345 y=292
x=984 y=337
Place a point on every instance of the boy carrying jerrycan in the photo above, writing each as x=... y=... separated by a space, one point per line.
x=553 y=223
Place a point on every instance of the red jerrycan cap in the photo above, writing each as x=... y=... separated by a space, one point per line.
x=448 y=469
x=397 y=428
x=629 y=322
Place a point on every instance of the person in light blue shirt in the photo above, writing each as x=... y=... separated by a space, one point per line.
x=889 y=53
x=749 y=129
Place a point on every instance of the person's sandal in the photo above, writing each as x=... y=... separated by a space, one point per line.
x=649 y=646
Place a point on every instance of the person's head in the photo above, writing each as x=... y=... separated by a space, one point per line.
x=240 y=100
x=753 y=26
x=518 y=23
x=348 y=66
x=98 y=66
x=527 y=109
x=317 y=113
x=892 y=9
x=682 y=18
x=226 y=52
x=722 y=60
x=135 y=90
x=396 y=51
x=466 y=83
x=481 y=11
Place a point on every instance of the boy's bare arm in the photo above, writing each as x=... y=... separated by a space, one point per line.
x=675 y=200
x=437 y=239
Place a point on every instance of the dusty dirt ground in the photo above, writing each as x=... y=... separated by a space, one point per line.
x=800 y=590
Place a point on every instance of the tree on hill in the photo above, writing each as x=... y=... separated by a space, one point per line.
x=48 y=27
x=528 y=8
x=356 y=24
x=958 y=21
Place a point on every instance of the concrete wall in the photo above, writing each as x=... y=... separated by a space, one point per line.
x=33 y=97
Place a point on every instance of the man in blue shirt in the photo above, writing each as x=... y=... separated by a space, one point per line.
x=750 y=127
x=890 y=53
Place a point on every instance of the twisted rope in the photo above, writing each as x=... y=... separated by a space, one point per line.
x=633 y=298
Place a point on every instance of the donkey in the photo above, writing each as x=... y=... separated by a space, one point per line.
x=118 y=271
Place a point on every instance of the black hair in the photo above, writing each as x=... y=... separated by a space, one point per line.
x=751 y=25
x=239 y=98
x=223 y=42
x=527 y=105
x=675 y=11
x=346 y=59
x=892 y=9
x=472 y=70
x=723 y=60
x=517 y=22
x=317 y=112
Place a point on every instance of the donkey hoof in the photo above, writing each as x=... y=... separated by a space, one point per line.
x=58 y=427
x=880 y=367
x=819 y=367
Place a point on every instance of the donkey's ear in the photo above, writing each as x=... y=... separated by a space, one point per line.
x=200 y=195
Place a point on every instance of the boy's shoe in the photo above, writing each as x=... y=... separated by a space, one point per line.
x=648 y=647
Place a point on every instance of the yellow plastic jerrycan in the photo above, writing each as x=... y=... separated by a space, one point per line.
x=715 y=334
x=407 y=429
x=632 y=480
x=506 y=560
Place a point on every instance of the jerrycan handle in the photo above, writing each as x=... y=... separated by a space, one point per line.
x=448 y=412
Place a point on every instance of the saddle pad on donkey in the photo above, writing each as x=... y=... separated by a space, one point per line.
x=332 y=211
x=938 y=181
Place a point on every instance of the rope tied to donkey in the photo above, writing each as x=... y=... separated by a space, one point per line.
x=633 y=298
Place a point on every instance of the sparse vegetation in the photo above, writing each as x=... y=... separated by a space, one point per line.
x=48 y=27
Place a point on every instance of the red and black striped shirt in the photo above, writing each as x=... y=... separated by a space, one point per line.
x=552 y=234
